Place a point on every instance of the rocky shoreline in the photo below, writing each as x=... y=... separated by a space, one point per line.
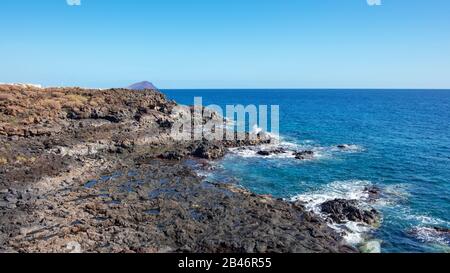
x=98 y=171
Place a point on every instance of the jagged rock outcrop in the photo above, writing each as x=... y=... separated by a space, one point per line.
x=341 y=210
x=304 y=155
x=101 y=169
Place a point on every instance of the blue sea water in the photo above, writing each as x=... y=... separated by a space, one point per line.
x=400 y=142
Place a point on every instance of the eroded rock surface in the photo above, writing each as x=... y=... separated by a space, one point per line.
x=100 y=170
x=341 y=210
x=304 y=155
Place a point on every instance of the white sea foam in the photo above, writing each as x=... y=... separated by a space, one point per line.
x=356 y=233
x=320 y=152
x=248 y=152
x=202 y=173
x=290 y=148
x=353 y=232
x=329 y=152
x=397 y=192
x=431 y=235
x=256 y=129
x=347 y=148
x=427 y=220
x=420 y=220
x=349 y=190
x=423 y=227
x=252 y=153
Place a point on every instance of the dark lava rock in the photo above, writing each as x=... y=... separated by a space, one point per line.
x=271 y=152
x=345 y=147
x=340 y=211
x=304 y=155
x=60 y=138
x=442 y=233
x=165 y=207
x=209 y=151
x=172 y=155
x=442 y=230
x=374 y=193
x=164 y=123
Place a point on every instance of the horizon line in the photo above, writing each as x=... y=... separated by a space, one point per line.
x=240 y=88
x=308 y=88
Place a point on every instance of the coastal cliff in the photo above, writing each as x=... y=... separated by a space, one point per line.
x=99 y=169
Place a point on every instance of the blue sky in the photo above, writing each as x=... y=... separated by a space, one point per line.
x=227 y=43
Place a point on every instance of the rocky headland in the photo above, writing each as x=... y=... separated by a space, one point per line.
x=99 y=171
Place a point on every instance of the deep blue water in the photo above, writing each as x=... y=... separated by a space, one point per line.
x=401 y=144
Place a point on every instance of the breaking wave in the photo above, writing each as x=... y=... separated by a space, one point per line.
x=290 y=148
x=353 y=232
x=431 y=235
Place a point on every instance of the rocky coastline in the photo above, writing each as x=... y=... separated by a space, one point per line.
x=98 y=171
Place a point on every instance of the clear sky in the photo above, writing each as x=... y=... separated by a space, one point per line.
x=227 y=43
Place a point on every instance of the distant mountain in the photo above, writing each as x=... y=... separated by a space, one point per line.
x=142 y=86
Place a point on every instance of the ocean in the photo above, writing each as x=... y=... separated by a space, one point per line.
x=397 y=140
